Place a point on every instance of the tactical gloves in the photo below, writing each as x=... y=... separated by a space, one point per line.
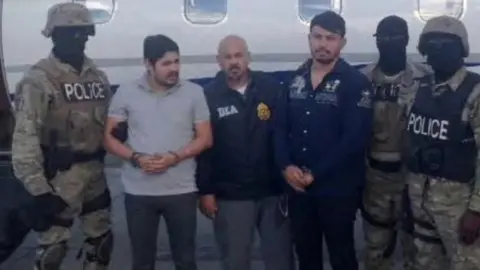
x=50 y=204
x=469 y=227
x=42 y=211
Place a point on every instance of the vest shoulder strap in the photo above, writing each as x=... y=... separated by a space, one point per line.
x=50 y=71
x=470 y=80
x=467 y=85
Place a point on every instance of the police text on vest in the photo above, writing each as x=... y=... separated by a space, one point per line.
x=81 y=92
x=425 y=126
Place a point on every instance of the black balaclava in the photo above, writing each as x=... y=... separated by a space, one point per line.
x=69 y=44
x=392 y=40
x=444 y=54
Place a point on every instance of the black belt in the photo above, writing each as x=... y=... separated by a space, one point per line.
x=385 y=166
x=79 y=157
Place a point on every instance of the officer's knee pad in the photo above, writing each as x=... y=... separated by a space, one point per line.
x=99 y=249
x=50 y=257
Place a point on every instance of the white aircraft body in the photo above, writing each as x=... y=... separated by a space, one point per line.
x=276 y=30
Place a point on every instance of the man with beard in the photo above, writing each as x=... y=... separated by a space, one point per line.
x=443 y=142
x=322 y=127
x=395 y=80
x=168 y=125
x=57 y=150
x=238 y=181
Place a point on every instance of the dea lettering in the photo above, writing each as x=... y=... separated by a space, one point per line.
x=226 y=111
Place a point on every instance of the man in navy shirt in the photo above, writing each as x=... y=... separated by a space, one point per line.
x=322 y=128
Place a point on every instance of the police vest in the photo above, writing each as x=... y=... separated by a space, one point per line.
x=77 y=108
x=388 y=110
x=439 y=143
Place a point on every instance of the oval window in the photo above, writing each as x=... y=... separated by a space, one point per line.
x=102 y=10
x=307 y=9
x=205 y=11
x=427 y=9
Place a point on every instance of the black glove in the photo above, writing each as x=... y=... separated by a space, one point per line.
x=40 y=213
x=49 y=204
x=120 y=132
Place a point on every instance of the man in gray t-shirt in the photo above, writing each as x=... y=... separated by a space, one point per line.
x=168 y=125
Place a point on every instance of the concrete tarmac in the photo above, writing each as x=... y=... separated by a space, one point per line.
x=207 y=254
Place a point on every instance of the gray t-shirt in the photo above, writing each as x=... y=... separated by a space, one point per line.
x=159 y=122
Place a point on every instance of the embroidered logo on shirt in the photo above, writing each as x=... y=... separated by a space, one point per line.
x=297 y=88
x=366 y=99
x=332 y=86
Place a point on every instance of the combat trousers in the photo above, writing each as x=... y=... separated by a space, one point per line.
x=437 y=207
x=84 y=188
x=383 y=217
x=235 y=225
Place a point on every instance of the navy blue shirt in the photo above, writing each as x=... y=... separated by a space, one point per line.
x=326 y=129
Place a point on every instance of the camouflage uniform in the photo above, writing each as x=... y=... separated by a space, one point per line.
x=438 y=203
x=53 y=97
x=382 y=199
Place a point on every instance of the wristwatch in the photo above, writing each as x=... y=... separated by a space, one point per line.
x=134 y=159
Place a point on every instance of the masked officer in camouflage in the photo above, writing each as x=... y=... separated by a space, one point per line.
x=393 y=78
x=57 y=142
x=443 y=139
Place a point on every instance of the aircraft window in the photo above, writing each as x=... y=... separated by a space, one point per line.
x=427 y=9
x=307 y=9
x=205 y=11
x=102 y=10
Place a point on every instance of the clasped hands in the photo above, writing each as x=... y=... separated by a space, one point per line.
x=297 y=178
x=157 y=163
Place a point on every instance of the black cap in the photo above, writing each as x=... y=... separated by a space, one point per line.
x=330 y=21
x=392 y=26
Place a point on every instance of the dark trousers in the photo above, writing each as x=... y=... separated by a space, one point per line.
x=143 y=217
x=314 y=219
x=235 y=225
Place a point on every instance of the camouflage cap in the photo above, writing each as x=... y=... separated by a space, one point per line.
x=447 y=25
x=68 y=14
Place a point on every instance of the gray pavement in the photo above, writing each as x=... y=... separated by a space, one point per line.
x=206 y=251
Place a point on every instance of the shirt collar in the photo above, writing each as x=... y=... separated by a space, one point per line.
x=406 y=76
x=340 y=66
x=221 y=78
x=143 y=85
x=455 y=81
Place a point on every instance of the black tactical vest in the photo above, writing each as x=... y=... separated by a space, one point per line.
x=439 y=143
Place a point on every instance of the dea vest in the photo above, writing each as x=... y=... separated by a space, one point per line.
x=77 y=108
x=439 y=143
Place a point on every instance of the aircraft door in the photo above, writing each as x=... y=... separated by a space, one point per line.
x=6 y=115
